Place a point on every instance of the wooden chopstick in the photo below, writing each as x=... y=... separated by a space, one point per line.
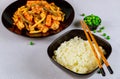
x=85 y=27
x=102 y=55
x=95 y=54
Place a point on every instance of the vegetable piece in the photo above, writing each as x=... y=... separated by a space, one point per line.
x=99 y=31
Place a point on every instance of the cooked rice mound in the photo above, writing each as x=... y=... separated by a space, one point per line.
x=76 y=55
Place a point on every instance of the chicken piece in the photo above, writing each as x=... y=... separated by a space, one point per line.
x=30 y=3
x=28 y=16
x=27 y=27
x=59 y=18
x=48 y=20
x=40 y=28
x=55 y=25
x=16 y=17
x=45 y=29
x=47 y=6
x=20 y=25
x=37 y=9
x=33 y=29
x=36 y=19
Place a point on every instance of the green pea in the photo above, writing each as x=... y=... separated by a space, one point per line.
x=90 y=23
x=83 y=14
x=108 y=37
x=99 y=71
x=102 y=28
x=94 y=31
x=31 y=43
x=99 y=30
x=93 y=17
x=104 y=34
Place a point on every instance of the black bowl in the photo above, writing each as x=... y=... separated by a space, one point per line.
x=9 y=11
x=67 y=36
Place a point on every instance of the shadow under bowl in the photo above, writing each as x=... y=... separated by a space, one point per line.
x=10 y=10
x=69 y=35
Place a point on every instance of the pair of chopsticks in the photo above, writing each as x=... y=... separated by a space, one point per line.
x=91 y=38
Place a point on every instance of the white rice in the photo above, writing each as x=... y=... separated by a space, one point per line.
x=76 y=55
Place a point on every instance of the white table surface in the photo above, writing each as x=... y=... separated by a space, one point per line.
x=19 y=60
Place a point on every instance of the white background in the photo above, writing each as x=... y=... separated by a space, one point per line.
x=19 y=60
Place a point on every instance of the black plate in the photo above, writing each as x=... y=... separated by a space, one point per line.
x=71 y=34
x=9 y=11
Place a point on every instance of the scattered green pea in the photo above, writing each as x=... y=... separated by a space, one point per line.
x=31 y=43
x=104 y=34
x=94 y=31
x=108 y=37
x=99 y=31
x=83 y=14
x=102 y=28
x=99 y=71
